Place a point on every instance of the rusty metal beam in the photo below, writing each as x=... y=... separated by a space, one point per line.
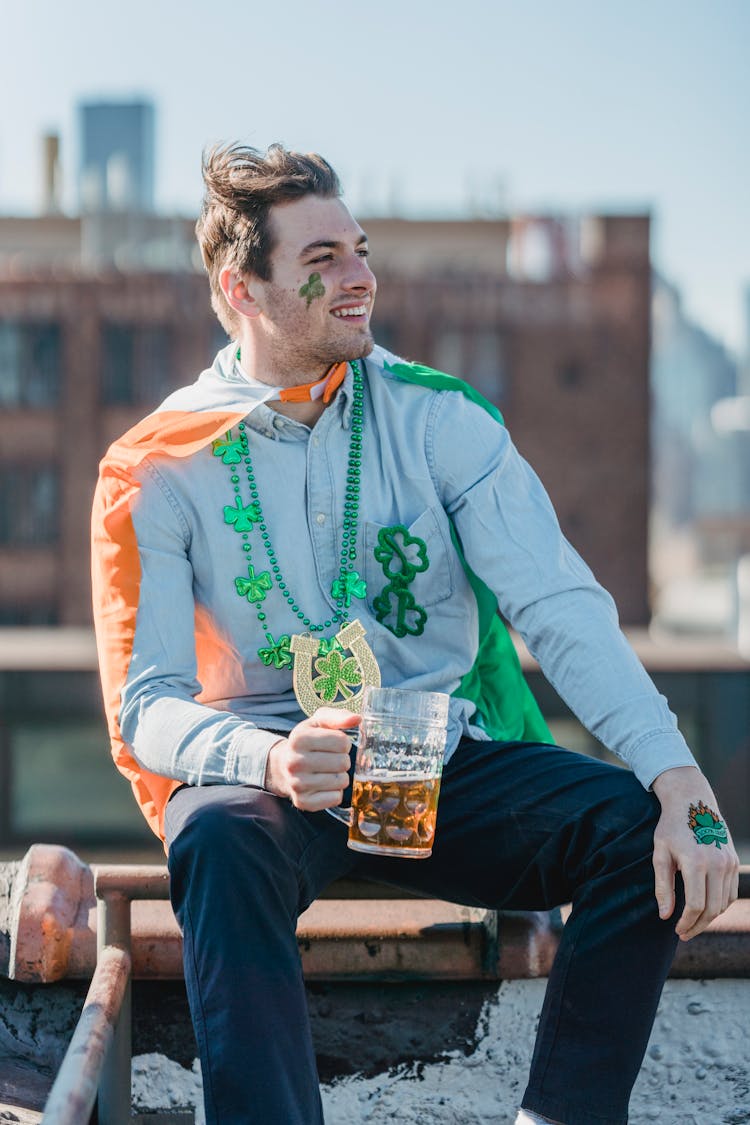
x=74 y=1090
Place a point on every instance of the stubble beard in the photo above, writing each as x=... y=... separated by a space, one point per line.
x=294 y=358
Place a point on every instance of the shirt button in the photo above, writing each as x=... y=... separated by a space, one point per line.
x=320 y=518
x=278 y=422
x=316 y=440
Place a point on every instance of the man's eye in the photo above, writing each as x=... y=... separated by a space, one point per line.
x=363 y=252
x=322 y=258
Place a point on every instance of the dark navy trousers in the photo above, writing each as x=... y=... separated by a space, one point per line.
x=520 y=826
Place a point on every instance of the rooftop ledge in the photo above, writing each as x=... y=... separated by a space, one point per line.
x=48 y=921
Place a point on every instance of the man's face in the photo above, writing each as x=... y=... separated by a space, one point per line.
x=316 y=308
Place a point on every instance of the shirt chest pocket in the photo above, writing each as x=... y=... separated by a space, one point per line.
x=407 y=570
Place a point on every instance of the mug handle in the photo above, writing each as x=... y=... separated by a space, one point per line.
x=341 y=813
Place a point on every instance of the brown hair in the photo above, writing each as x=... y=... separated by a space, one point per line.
x=242 y=184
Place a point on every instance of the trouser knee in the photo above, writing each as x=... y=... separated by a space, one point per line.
x=229 y=844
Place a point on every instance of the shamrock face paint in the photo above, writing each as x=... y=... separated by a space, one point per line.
x=312 y=288
x=706 y=826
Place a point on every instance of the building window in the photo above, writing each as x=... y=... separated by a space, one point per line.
x=15 y=614
x=488 y=364
x=30 y=363
x=570 y=374
x=475 y=355
x=386 y=334
x=28 y=506
x=450 y=352
x=136 y=364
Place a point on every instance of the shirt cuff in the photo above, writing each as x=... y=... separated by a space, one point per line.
x=248 y=756
x=658 y=752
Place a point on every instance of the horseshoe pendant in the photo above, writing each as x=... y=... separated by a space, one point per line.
x=306 y=648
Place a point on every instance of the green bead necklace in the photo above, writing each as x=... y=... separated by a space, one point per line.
x=244 y=517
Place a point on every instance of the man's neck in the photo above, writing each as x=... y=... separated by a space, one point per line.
x=305 y=412
x=265 y=368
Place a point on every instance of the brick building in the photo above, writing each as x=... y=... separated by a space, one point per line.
x=550 y=319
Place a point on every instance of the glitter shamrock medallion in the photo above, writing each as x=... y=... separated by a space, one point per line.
x=706 y=826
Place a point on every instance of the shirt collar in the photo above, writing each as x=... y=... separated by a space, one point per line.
x=262 y=417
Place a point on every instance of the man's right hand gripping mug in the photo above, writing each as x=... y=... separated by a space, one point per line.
x=397 y=773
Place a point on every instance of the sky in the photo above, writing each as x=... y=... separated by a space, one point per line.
x=424 y=107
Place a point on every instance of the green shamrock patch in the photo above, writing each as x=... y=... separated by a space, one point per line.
x=396 y=608
x=312 y=288
x=400 y=554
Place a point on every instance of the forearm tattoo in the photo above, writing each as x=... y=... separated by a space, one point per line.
x=706 y=826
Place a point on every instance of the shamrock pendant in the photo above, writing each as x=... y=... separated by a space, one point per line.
x=277 y=653
x=349 y=586
x=341 y=680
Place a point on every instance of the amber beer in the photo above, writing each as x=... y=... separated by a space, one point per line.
x=394 y=815
x=397 y=771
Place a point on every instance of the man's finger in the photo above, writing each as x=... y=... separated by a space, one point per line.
x=320 y=740
x=334 y=718
x=726 y=897
x=327 y=761
x=664 y=871
x=316 y=802
x=695 y=900
x=310 y=783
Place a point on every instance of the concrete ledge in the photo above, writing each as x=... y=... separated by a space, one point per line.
x=51 y=918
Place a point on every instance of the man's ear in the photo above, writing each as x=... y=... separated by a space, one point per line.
x=236 y=289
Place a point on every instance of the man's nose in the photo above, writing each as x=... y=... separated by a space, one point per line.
x=359 y=275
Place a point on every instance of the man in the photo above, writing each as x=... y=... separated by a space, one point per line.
x=256 y=506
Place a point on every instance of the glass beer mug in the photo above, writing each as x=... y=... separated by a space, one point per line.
x=397 y=773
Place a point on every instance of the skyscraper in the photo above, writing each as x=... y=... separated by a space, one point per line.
x=117 y=156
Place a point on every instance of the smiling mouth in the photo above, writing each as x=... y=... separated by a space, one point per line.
x=352 y=311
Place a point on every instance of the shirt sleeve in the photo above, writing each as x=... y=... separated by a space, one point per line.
x=512 y=540
x=168 y=731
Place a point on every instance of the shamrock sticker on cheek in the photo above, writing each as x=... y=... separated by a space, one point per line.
x=312 y=288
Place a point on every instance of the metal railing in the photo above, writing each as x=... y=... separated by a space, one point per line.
x=97 y=1064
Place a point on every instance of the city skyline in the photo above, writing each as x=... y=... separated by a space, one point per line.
x=530 y=108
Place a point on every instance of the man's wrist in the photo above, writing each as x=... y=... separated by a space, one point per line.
x=673 y=779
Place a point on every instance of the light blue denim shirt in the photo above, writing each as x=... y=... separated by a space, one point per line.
x=428 y=458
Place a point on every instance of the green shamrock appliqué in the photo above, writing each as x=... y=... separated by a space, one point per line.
x=255 y=587
x=229 y=449
x=312 y=288
x=336 y=675
x=706 y=826
x=243 y=517
x=398 y=603
x=400 y=554
x=348 y=587
x=278 y=653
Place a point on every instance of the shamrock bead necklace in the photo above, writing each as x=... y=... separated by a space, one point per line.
x=243 y=519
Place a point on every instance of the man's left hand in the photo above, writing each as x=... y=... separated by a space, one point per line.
x=710 y=873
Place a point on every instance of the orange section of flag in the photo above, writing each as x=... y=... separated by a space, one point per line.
x=116 y=573
x=335 y=377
